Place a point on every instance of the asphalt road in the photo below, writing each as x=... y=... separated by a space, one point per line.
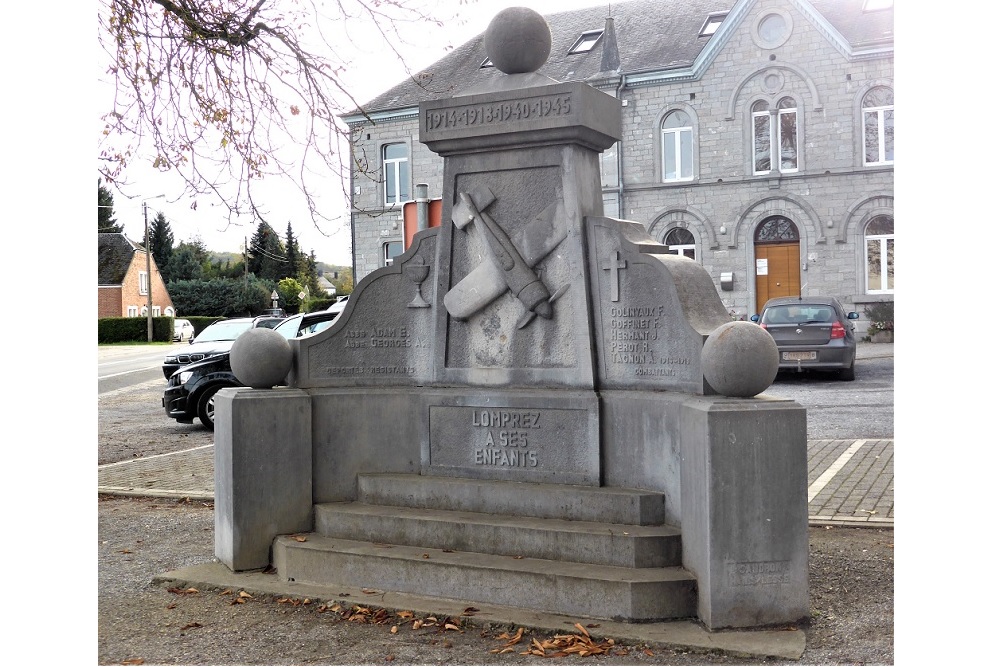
x=120 y=366
x=844 y=410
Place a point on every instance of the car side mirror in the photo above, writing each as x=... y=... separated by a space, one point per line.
x=852 y=315
x=755 y=317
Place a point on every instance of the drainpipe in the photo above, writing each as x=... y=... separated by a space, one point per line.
x=422 y=206
x=621 y=157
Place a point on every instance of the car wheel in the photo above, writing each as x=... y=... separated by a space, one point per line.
x=206 y=407
x=847 y=373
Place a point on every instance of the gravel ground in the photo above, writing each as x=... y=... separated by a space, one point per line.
x=851 y=589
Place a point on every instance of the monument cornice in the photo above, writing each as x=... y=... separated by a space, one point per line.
x=557 y=113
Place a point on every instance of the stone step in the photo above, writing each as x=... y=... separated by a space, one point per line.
x=591 y=542
x=522 y=499
x=596 y=591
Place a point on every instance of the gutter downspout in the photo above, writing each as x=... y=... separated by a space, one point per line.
x=350 y=211
x=621 y=158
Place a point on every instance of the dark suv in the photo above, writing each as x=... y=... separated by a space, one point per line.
x=191 y=389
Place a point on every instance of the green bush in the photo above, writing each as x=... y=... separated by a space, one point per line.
x=881 y=317
x=133 y=330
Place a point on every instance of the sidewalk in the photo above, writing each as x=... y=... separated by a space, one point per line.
x=850 y=481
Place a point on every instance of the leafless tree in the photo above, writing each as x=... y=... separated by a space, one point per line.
x=228 y=92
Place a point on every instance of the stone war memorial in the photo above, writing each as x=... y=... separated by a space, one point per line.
x=535 y=406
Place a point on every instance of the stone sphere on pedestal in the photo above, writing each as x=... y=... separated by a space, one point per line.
x=260 y=358
x=518 y=40
x=740 y=359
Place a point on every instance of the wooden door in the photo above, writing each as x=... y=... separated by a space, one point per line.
x=777 y=271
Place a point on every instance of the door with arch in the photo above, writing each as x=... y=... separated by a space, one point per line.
x=776 y=255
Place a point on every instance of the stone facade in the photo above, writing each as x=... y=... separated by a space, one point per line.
x=829 y=199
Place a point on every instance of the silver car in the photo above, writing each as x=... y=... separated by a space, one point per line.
x=812 y=333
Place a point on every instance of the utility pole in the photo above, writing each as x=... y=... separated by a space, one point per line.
x=149 y=274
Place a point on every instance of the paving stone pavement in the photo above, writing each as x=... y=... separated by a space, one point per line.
x=850 y=481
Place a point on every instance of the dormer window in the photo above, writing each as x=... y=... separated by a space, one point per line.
x=586 y=41
x=712 y=24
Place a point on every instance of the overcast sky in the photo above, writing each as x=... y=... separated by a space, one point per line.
x=373 y=72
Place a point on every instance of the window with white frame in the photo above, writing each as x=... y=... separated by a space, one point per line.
x=156 y=311
x=586 y=41
x=390 y=251
x=680 y=242
x=396 y=171
x=143 y=283
x=132 y=311
x=877 y=112
x=678 y=147
x=880 y=240
x=775 y=136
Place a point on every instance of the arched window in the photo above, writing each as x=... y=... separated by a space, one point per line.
x=877 y=111
x=880 y=238
x=775 y=136
x=776 y=229
x=678 y=147
x=680 y=241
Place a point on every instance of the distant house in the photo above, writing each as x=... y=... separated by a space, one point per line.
x=122 y=281
x=328 y=287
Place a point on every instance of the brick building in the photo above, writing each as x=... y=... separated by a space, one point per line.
x=122 y=280
x=757 y=139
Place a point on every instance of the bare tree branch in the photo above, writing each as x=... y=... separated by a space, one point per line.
x=225 y=93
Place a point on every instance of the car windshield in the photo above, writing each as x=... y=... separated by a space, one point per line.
x=798 y=314
x=289 y=327
x=223 y=331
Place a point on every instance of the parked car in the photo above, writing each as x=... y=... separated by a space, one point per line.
x=183 y=330
x=812 y=333
x=191 y=390
x=214 y=339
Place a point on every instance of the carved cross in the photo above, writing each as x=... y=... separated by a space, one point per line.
x=616 y=264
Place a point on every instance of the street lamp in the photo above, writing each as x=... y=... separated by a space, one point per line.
x=149 y=273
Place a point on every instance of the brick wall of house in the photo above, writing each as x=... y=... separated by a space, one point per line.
x=115 y=301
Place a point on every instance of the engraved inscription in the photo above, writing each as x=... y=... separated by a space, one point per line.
x=760 y=573
x=506 y=442
x=632 y=341
x=473 y=115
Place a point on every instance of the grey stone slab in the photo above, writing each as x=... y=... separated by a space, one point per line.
x=621 y=545
x=563 y=113
x=652 y=310
x=745 y=513
x=514 y=436
x=384 y=336
x=783 y=643
x=640 y=594
x=521 y=499
x=263 y=471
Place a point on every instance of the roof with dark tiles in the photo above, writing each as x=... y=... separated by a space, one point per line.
x=651 y=35
x=114 y=255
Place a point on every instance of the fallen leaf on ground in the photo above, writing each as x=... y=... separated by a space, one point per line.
x=134 y=661
x=469 y=611
x=191 y=625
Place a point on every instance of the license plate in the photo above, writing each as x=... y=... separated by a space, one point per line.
x=798 y=356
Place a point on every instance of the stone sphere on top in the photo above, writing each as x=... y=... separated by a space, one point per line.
x=740 y=359
x=518 y=40
x=260 y=358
